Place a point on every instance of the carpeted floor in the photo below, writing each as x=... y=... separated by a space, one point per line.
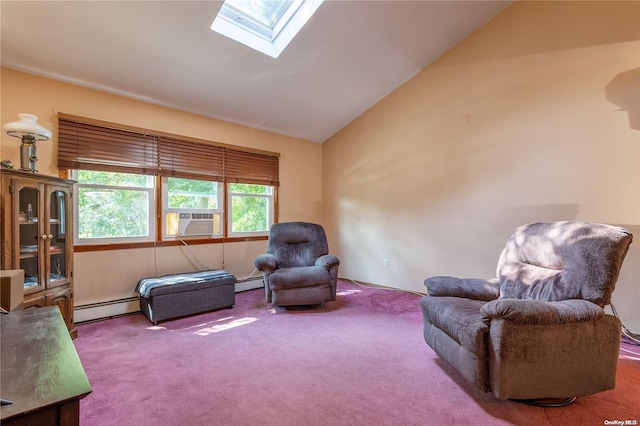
x=360 y=360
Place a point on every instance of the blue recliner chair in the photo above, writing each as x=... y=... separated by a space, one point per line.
x=297 y=269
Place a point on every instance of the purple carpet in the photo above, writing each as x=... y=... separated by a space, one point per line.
x=360 y=360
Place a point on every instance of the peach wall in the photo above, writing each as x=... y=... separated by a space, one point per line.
x=534 y=117
x=111 y=275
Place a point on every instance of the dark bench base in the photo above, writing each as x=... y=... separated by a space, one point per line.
x=177 y=295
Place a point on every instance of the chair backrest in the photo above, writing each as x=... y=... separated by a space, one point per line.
x=553 y=261
x=297 y=243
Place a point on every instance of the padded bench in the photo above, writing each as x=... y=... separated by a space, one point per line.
x=176 y=295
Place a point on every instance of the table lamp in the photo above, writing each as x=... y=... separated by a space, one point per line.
x=30 y=131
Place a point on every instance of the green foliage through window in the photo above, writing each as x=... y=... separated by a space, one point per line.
x=109 y=213
x=113 y=205
x=250 y=207
x=112 y=179
x=192 y=194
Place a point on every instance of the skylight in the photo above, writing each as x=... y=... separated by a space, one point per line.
x=267 y=26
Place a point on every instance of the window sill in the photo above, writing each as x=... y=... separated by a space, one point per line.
x=168 y=243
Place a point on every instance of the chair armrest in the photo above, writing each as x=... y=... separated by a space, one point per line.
x=266 y=262
x=469 y=288
x=536 y=312
x=327 y=261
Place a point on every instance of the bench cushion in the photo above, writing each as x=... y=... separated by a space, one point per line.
x=176 y=295
x=173 y=283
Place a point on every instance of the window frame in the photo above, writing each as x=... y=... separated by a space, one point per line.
x=150 y=190
x=254 y=24
x=270 y=213
x=248 y=30
x=164 y=184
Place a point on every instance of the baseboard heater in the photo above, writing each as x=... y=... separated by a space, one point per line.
x=106 y=309
x=250 y=283
x=128 y=305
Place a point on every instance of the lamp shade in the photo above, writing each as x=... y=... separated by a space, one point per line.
x=27 y=125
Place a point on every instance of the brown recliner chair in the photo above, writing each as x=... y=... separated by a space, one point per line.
x=538 y=332
x=298 y=272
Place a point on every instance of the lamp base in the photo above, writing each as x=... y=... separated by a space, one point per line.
x=28 y=158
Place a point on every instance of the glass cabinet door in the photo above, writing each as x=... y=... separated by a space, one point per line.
x=57 y=237
x=29 y=237
x=36 y=218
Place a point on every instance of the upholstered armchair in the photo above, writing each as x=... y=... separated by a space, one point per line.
x=538 y=331
x=297 y=269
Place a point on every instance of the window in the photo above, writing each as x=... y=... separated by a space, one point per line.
x=113 y=207
x=192 y=207
x=251 y=209
x=192 y=194
x=136 y=187
x=266 y=26
x=261 y=16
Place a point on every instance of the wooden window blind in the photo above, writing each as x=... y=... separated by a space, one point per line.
x=250 y=167
x=91 y=145
x=190 y=160
x=88 y=146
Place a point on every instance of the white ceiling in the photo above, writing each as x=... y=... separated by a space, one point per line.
x=349 y=56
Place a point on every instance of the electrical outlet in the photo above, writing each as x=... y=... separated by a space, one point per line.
x=385 y=263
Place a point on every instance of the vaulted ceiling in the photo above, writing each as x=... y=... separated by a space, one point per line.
x=350 y=55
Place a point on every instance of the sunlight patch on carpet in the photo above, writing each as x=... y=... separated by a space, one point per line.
x=347 y=292
x=223 y=327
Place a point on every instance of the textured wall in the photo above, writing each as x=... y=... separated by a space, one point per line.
x=534 y=117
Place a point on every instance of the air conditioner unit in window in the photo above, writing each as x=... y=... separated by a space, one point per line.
x=195 y=223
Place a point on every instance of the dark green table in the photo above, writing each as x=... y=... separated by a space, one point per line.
x=40 y=371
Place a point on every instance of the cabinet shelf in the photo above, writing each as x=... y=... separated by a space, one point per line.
x=35 y=222
x=28 y=252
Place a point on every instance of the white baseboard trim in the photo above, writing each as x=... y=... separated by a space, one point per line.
x=113 y=308
x=249 y=284
x=108 y=309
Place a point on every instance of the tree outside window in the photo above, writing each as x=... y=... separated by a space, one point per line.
x=114 y=205
x=251 y=208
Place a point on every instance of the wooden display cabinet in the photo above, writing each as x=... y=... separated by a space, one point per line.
x=37 y=236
